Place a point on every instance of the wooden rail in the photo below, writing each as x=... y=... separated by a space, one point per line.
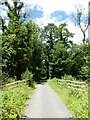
x=77 y=86
x=74 y=84
x=13 y=84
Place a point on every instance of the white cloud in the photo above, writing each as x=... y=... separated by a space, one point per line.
x=78 y=36
x=51 y=5
x=68 y=6
x=45 y=20
x=3 y=11
x=76 y=30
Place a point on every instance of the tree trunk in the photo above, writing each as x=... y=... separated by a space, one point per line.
x=84 y=37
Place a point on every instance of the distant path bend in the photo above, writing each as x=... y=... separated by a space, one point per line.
x=45 y=103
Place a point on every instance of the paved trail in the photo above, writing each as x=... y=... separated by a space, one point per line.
x=45 y=103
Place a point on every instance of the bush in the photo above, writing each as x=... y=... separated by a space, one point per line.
x=28 y=76
x=68 y=77
x=14 y=101
x=84 y=73
x=0 y=72
x=6 y=79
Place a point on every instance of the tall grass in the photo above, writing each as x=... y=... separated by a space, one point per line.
x=76 y=100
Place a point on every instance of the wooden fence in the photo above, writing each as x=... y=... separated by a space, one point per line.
x=73 y=84
x=13 y=84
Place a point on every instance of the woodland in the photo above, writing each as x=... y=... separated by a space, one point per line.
x=45 y=52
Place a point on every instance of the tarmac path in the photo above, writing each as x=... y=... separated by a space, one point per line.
x=45 y=103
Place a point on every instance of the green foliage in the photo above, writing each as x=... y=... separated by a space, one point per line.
x=26 y=45
x=68 y=77
x=84 y=73
x=11 y=42
x=28 y=76
x=57 y=42
x=0 y=54
x=21 y=44
x=63 y=35
x=46 y=52
x=76 y=100
x=60 y=60
x=0 y=72
x=78 y=55
x=6 y=79
x=13 y=101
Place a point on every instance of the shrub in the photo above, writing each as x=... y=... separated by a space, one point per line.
x=68 y=77
x=6 y=79
x=14 y=101
x=28 y=76
x=84 y=73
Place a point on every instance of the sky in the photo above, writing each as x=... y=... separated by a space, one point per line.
x=55 y=11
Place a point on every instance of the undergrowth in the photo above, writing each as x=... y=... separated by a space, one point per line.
x=13 y=101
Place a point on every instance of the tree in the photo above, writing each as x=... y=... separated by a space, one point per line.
x=49 y=40
x=60 y=60
x=78 y=55
x=55 y=37
x=35 y=61
x=2 y=25
x=12 y=53
x=22 y=46
x=46 y=52
x=80 y=18
x=15 y=45
x=63 y=35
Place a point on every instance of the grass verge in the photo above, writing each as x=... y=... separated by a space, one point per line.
x=75 y=100
x=14 y=100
